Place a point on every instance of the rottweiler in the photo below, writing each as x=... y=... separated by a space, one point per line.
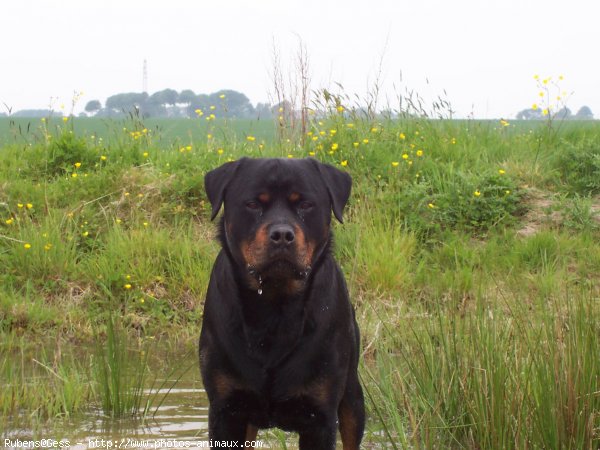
x=279 y=345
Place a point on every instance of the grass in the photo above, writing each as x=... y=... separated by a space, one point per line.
x=470 y=248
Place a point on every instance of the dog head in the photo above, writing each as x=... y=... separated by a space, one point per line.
x=277 y=215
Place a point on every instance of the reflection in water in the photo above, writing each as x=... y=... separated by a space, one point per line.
x=177 y=414
x=182 y=416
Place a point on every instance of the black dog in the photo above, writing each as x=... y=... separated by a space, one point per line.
x=279 y=345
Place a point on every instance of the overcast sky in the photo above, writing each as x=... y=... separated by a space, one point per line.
x=484 y=54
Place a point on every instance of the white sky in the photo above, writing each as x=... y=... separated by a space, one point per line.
x=482 y=53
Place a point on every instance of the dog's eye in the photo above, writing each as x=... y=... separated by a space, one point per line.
x=305 y=205
x=252 y=205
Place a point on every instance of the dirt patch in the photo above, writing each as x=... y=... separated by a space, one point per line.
x=547 y=210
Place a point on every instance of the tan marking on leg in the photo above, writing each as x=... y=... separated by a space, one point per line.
x=251 y=433
x=319 y=390
x=348 y=427
x=224 y=384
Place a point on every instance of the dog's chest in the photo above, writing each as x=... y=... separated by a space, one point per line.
x=270 y=336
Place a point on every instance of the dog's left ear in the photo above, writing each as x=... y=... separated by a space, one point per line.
x=338 y=185
x=216 y=182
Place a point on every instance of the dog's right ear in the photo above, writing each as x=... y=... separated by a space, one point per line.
x=216 y=182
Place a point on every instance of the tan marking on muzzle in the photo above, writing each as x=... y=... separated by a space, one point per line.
x=254 y=250
x=304 y=248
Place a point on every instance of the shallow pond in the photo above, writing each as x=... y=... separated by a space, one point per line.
x=177 y=418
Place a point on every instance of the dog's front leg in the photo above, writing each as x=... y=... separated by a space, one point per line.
x=227 y=421
x=321 y=437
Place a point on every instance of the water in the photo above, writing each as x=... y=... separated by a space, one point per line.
x=179 y=416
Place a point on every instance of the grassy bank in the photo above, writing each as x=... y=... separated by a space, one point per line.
x=470 y=248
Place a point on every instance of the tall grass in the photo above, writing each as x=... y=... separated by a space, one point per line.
x=120 y=372
x=41 y=386
x=497 y=378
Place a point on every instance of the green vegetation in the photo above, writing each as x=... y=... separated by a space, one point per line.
x=471 y=251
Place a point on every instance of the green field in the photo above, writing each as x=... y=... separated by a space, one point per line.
x=471 y=250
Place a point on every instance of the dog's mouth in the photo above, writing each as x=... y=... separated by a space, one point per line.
x=278 y=271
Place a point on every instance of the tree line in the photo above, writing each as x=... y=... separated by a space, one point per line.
x=170 y=103
x=564 y=113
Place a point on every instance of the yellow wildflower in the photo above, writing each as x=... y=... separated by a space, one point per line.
x=344 y=163
x=395 y=164
x=476 y=193
x=419 y=153
x=27 y=246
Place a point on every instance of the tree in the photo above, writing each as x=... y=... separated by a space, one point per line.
x=584 y=113
x=93 y=106
x=263 y=111
x=126 y=102
x=529 y=114
x=186 y=96
x=563 y=114
x=235 y=103
x=164 y=97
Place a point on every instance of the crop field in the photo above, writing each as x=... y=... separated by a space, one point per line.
x=471 y=251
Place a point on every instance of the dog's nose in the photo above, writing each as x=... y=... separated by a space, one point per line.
x=282 y=234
